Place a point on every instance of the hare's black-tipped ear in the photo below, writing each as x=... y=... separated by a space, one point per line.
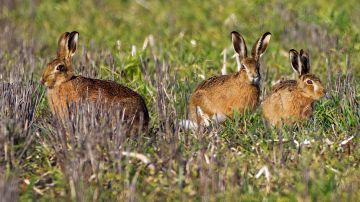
x=239 y=44
x=305 y=62
x=295 y=61
x=261 y=45
x=67 y=44
x=72 y=43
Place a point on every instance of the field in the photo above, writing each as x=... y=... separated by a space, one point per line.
x=163 y=50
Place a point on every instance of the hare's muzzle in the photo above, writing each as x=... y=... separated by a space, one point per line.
x=42 y=81
x=322 y=92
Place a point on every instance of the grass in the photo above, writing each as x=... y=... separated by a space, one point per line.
x=183 y=43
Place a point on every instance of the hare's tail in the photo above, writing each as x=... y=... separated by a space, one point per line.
x=191 y=125
x=188 y=125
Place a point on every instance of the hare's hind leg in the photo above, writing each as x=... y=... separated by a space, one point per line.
x=219 y=117
x=197 y=118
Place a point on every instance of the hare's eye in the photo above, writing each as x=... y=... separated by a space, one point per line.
x=60 y=67
x=309 y=82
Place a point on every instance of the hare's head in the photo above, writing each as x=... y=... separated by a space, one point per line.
x=309 y=84
x=60 y=69
x=251 y=65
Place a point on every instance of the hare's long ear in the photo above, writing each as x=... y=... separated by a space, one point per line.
x=72 y=43
x=295 y=61
x=239 y=44
x=67 y=44
x=305 y=62
x=62 y=45
x=260 y=46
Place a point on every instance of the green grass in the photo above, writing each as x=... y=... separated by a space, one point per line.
x=189 y=36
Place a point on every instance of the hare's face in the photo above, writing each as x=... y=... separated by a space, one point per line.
x=250 y=64
x=60 y=70
x=56 y=72
x=251 y=67
x=311 y=86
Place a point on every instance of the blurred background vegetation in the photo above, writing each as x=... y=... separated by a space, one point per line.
x=322 y=27
x=189 y=37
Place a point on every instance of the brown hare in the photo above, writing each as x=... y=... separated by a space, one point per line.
x=64 y=88
x=292 y=100
x=219 y=96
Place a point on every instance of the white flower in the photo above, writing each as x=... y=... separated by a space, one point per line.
x=193 y=42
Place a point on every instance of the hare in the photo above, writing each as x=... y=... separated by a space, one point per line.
x=64 y=88
x=219 y=96
x=292 y=100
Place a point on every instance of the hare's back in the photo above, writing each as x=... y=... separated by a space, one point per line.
x=107 y=88
x=286 y=84
x=214 y=81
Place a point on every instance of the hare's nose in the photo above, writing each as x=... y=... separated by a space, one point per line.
x=256 y=79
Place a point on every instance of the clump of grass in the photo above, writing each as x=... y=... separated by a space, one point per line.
x=19 y=99
x=87 y=145
x=8 y=188
x=18 y=102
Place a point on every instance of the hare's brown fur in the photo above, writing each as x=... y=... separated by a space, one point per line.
x=292 y=100
x=81 y=89
x=65 y=89
x=211 y=97
x=222 y=95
